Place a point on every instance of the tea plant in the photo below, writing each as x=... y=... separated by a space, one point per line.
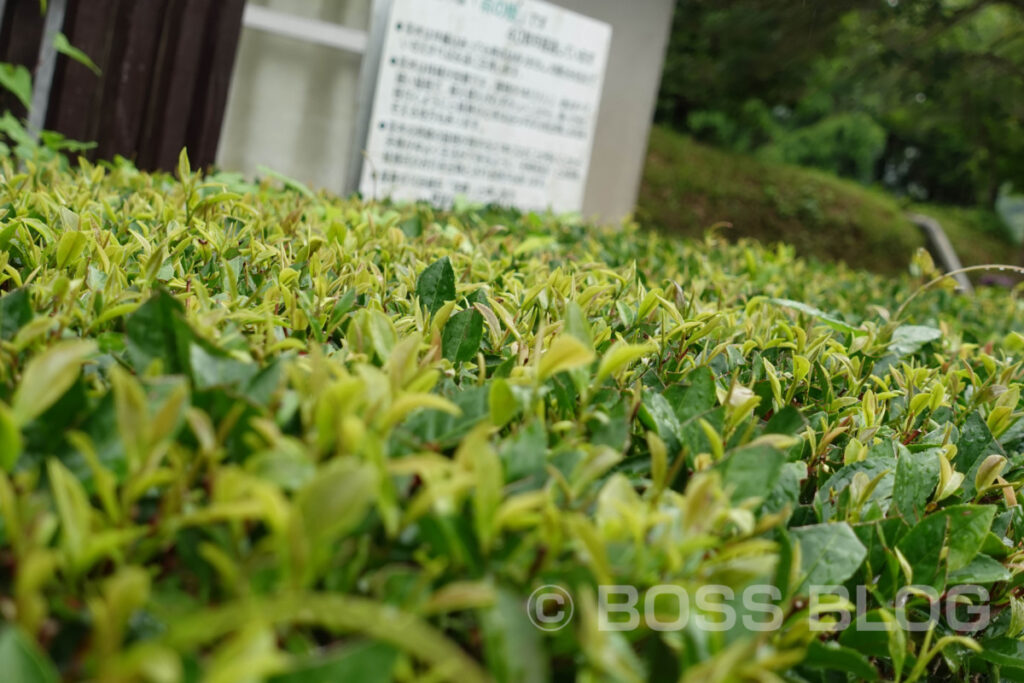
x=259 y=433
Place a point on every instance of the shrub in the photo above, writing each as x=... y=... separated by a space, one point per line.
x=253 y=433
x=847 y=144
x=751 y=127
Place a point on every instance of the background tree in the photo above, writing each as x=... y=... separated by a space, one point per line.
x=925 y=97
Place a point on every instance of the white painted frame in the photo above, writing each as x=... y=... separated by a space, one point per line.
x=308 y=30
x=368 y=45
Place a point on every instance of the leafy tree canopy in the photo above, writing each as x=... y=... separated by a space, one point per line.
x=923 y=96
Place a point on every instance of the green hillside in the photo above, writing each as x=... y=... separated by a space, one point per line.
x=688 y=187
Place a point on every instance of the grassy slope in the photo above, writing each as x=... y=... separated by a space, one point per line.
x=688 y=187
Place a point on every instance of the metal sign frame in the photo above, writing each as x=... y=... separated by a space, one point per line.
x=368 y=72
x=42 y=81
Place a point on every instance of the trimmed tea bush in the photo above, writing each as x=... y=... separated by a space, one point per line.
x=256 y=433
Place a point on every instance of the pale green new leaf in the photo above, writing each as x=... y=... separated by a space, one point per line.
x=47 y=376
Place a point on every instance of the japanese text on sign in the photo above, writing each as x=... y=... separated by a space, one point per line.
x=492 y=100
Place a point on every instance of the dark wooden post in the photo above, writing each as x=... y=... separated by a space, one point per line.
x=165 y=72
x=21 y=29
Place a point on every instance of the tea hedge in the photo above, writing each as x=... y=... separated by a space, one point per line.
x=251 y=432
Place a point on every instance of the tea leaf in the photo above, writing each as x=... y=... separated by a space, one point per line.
x=17 y=80
x=15 y=312
x=829 y=320
x=907 y=339
x=46 y=378
x=436 y=285
x=462 y=335
x=10 y=439
x=829 y=553
x=63 y=46
x=22 y=661
x=565 y=353
x=621 y=355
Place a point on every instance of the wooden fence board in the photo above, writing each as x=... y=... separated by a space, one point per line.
x=77 y=97
x=20 y=33
x=125 y=103
x=166 y=69
x=221 y=44
x=178 y=65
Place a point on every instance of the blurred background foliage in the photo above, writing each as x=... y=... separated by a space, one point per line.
x=922 y=99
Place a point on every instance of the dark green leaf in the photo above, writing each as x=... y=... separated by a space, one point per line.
x=960 y=529
x=908 y=339
x=576 y=324
x=877 y=462
x=22 y=661
x=63 y=46
x=412 y=226
x=513 y=646
x=829 y=320
x=367 y=662
x=751 y=472
x=525 y=453
x=691 y=403
x=15 y=312
x=982 y=569
x=17 y=80
x=436 y=285
x=657 y=414
x=829 y=554
x=969 y=524
x=211 y=368
x=922 y=546
x=157 y=331
x=461 y=337
x=975 y=444
x=831 y=656
x=1005 y=652
x=786 y=490
x=917 y=475
x=787 y=421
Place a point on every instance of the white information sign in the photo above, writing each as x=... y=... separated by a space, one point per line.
x=491 y=100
